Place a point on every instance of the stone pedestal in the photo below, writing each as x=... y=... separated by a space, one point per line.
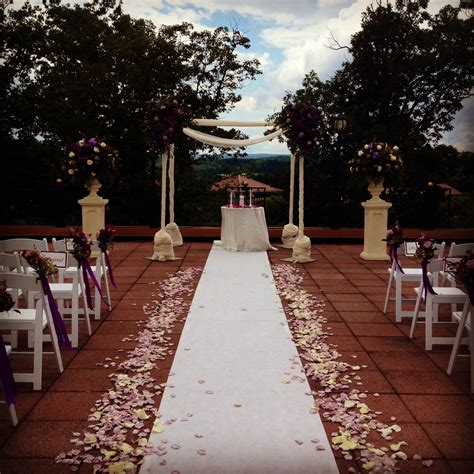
x=375 y=224
x=93 y=210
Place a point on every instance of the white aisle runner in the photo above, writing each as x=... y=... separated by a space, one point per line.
x=230 y=384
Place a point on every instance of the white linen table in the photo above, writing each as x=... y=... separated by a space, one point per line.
x=244 y=229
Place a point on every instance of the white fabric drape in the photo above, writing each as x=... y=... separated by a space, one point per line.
x=292 y=188
x=164 y=162
x=228 y=142
x=230 y=123
x=301 y=198
x=171 y=178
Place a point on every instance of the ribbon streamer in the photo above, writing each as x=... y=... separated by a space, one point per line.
x=109 y=267
x=59 y=327
x=394 y=256
x=86 y=269
x=6 y=375
x=426 y=281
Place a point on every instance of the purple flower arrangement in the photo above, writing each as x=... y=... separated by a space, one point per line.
x=43 y=266
x=88 y=158
x=301 y=122
x=425 y=250
x=463 y=271
x=394 y=235
x=165 y=121
x=376 y=161
x=82 y=245
x=105 y=238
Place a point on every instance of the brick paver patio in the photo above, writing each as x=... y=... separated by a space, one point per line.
x=435 y=411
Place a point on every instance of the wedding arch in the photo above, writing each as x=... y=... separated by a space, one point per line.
x=169 y=235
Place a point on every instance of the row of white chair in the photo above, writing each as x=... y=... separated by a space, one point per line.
x=441 y=295
x=36 y=317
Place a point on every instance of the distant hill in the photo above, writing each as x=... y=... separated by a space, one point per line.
x=260 y=156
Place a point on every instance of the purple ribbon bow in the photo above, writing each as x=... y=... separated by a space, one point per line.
x=86 y=269
x=109 y=267
x=426 y=281
x=6 y=375
x=59 y=327
x=394 y=257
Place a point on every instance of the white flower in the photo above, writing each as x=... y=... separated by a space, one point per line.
x=393 y=158
x=81 y=142
x=379 y=168
x=103 y=144
x=366 y=147
x=71 y=154
x=59 y=180
x=96 y=150
x=379 y=147
x=395 y=148
x=70 y=171
x=360 y=152
x=90 y=162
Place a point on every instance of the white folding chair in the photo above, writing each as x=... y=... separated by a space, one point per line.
x=68 y=292
x=100 y=270
x=17 y=245
x=443 y=295
x=35 y=320
x=10 y=262
x=465 y=318
x=11 y=408
x=409 y=275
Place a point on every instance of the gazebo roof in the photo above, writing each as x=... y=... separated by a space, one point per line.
x=239 y=180
x=449 y=189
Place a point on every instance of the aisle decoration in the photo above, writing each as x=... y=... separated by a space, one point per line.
x=82 y=249
x=165 y=123
x=463 y=272
x=105 y=239
x=425 y=251
x=376 y=161
x=394 y=239
x=44 y=267
x=300 y=121
x=336 y=400
x=6 y=375
x=88 y=160
x=121 y=420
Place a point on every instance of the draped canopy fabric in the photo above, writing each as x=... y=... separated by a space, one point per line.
x=229 y=142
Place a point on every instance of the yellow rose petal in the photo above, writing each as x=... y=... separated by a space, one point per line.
x=158 y=427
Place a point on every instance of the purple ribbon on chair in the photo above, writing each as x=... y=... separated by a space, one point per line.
x=109 y=267
x=59 y=327
x=394 y=257
x=426 y=281
x=86 y=269
x=470 y=291
x=6 y=375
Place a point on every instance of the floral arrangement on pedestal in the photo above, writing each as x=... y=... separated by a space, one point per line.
x=301 y=122
x=88 y=158
x=376 y=161
x=463 y=272
x=166 y=121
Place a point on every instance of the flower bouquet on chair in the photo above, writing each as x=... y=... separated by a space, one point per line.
x=394 y=239
x=44 y=267
x=105 y=239
x=425 y=251
x=6 y=300
x=82 y=249
x=463 y=272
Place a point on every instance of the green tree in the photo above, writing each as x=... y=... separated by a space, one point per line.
x=91 y=69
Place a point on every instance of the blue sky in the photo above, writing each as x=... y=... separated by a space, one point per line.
x=290 y=38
